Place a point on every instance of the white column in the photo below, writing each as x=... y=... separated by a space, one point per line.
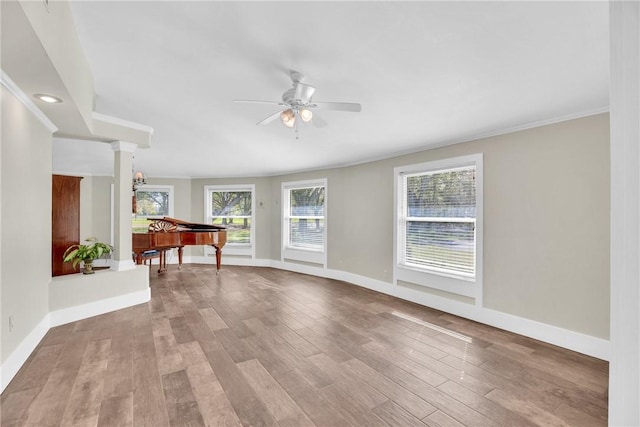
x=624 y=370
x=123 y=165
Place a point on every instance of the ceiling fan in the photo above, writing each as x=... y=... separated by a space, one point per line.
x=297 y=105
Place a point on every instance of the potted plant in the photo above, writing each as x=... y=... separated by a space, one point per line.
x=86 y=253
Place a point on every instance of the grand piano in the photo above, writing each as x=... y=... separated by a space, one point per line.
x=168 y=233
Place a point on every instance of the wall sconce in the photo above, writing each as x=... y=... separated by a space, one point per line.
x=138 y=179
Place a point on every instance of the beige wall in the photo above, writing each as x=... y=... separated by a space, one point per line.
x=181 y=204
x=546 y=228
x=95 y=208
x=86 y=207
x=95 y=214
x=188 y=206
x=263 y=215
x=547 y=224
x=26 y=222
x=546 y=210
x=101 y=209
x=181 y=195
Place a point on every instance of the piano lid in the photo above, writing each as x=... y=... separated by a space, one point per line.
x=184 y=225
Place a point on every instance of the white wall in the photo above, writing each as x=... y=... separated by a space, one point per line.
x=624 y=370
x=26 y=223
x=77 y=296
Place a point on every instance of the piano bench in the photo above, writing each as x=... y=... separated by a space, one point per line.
x=149 y=255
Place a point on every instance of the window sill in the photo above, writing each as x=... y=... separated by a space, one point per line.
x=459 y=285
x=231 y=249
x=305 y=255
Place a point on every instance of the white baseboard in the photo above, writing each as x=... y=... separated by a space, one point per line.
x=14 y=362
x=244 y=261
x=84 y=311
x=575 y=341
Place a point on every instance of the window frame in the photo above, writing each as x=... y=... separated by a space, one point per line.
x=459 y=284
x=242 y=249
x=310 y=255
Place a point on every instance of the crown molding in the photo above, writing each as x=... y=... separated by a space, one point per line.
x=453 y=141
x=81 y=174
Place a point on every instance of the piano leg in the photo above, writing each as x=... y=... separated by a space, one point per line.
x=163 y=261
x=180 y=258
x=218 y=258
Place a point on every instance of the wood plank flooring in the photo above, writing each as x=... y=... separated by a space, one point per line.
x=265 y=347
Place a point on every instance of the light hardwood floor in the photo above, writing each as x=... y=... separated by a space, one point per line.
x=265 y=347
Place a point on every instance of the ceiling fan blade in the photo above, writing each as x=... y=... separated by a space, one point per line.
x=339 y=106
x=317 y=121
x=269 y=119
x=255 y=101
x=303 y=92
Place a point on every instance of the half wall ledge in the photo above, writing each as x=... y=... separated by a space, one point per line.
x=79 y=296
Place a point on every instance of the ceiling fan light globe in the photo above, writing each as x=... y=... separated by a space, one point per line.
x=288 y=118
x=306 y=115
x=287 y=115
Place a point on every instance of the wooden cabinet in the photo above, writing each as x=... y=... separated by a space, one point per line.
x=65 y=216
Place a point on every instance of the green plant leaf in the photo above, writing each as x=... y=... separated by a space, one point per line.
x=69 y=255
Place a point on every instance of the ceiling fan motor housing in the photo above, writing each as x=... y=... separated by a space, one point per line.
x=289 y=97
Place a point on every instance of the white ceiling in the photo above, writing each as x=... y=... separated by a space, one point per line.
x=426 y=74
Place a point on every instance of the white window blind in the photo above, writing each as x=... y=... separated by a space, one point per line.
x=305 y=217
x=438 y=221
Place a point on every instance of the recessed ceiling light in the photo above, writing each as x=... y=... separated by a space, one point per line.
x=47 y=98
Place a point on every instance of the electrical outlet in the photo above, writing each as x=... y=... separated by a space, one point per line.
x=10 y=323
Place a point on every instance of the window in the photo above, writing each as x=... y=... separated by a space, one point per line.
x=439 y=222
x=151 y=202
x=304 y=220
x=232 y=206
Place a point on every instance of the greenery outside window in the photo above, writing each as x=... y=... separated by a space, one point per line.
x=233 y=207
x=152 y=202
x=304 y=221
x=439 y=224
